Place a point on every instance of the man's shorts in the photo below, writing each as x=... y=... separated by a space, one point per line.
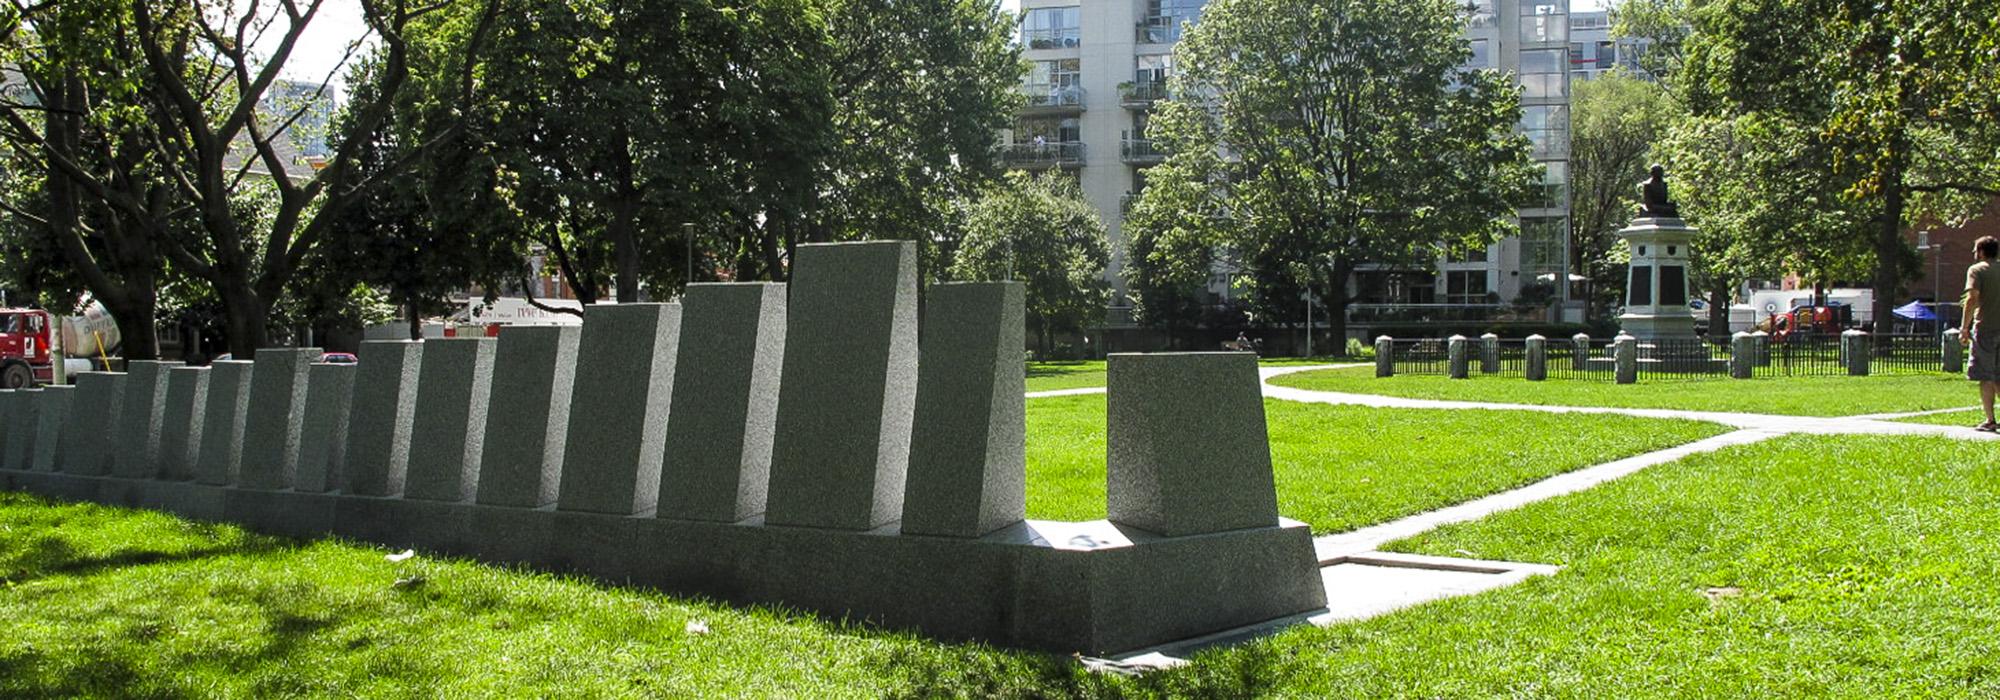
x=1985 y=361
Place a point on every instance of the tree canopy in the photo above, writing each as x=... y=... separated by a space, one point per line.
x=1038 y=229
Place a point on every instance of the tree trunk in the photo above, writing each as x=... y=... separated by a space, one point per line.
x=1335 y=303
x=247 y=320
x=625 y=248
x=416 y=320
x=1888 y=250
x=1718 y=312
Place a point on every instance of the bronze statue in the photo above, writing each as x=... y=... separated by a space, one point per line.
x=1653 y=200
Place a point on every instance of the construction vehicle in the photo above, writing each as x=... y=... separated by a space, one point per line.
x=32 y=340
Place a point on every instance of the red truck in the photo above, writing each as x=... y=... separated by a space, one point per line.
x=25 y=348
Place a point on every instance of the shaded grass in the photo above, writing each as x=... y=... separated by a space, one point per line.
x=1343 y=467
x=1801 y=396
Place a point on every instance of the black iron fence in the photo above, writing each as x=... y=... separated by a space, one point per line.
x=1428 y=356
x=1595 y=359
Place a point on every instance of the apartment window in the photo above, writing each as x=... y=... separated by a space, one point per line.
x=1465 y=287
x=1048 y=131
x=1052 y=28
x=1154 y=69
x=1542 y=245
x=1481 y=14
x=1543 y=21
x=1465 y=254
x=1555 y=185
x=1482 y=55
x=1543 y=74
x=1165 y=19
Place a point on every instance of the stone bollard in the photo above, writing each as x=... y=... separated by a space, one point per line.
x=1579 y=358
x=1537 y=364
x=1742 y=355
x=1626 y=353
x=1855 y=352
x=1455 y=350
x=1489 y=354
x=1385 y=356
x=1762 y=348
x=1953 y=351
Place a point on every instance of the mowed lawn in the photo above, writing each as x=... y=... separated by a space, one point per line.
x=1797 y=396
x=1053 y=376
x=1343 y=467
x=1803 y=567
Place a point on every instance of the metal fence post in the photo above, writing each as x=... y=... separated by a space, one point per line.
x=1455 y=353
x=1953 y=351
x=1489 y=354
x=1763 y=349
x=1385 y=356
x=1536 y=366
x=1627 y=354
x=1580 y=359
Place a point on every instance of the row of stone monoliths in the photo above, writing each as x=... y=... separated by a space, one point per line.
x=743 y=400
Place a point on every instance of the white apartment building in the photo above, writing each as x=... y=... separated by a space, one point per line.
x=1592 y=50
x=1098 y=66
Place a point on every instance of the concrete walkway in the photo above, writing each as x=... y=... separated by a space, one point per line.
x=1363 y=581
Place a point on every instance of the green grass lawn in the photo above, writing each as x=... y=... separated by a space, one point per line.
x=1343 y=467
x=1052 y=376
x=1962 y=419
x=1802 y=396
x=1805 y=567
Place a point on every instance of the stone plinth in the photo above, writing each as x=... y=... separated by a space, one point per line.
x=142 y=422
x=1954 y=352
x=1656 y=291
x=180 y=426
x=220 y=457
x=732 y=349
x=22 y=423
x=90 y=438
x=849 y=388
x=380 y=415
x=271 y=432
x=1385 y=356
x=534 y=371
x=1742 y=355
x=449 y=429
x=1856 y=349
x=1625 y=359
x=968 y=460
x=323 y=432
x=619 y=411
x=1456 y=351
x=1187 y=448
x=1535 y=367
x=1580 y=352
x=51 y=416
x=1489 y=354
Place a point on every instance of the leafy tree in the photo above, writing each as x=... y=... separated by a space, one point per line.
x=1173 y=235
x=1039 y=230
x=1353 y=137
x=1615 y=120
x=1901 y=94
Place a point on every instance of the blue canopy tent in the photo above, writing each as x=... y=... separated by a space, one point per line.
x=1916 y=311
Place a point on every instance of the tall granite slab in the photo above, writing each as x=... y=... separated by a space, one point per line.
x=185 y=412
x=380 y=417
x=968 y=454
x=51 y=416
x=10 y=402
x=323 y=435
x=271 y=431
x=1187 y=450
x=732 y=350
x=847 y=396
x=449 y=428
x=220 y=457
x=534 y=373
x=617 y=433
x=142 y=423
x=22 y=426
x=90 y=440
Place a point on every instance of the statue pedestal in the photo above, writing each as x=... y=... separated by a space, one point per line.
x=1656 y=291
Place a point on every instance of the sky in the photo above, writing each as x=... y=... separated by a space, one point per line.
x=339 y=22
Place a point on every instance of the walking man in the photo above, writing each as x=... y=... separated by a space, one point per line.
x=1980 y=329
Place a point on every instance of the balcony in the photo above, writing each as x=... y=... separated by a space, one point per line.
x=1041 y=156
x=1052 y=99
x=1142 y=95
x=1141 y=152
x=1159 y=29
x=1064 y=38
